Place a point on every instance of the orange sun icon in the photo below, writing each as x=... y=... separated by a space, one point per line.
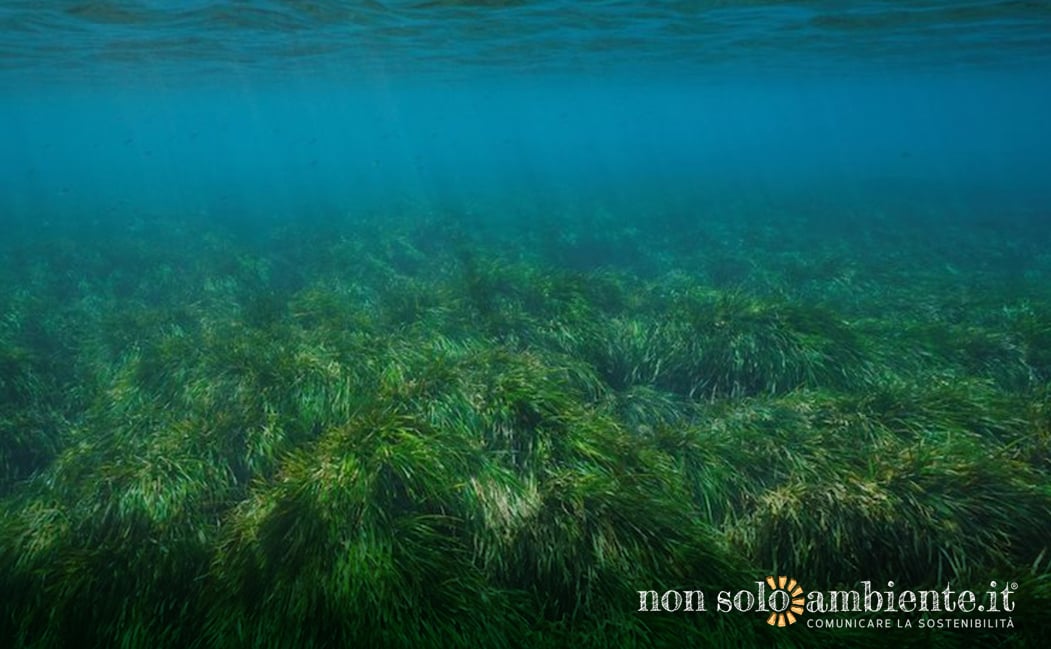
x=790 y=596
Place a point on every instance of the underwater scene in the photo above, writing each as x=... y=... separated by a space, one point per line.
x=538 y=324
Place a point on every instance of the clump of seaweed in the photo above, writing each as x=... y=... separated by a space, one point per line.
x=477 y=484
x=708 y=344
x=902 y=493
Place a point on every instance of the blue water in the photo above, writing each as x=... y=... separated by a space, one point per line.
x=286 y=110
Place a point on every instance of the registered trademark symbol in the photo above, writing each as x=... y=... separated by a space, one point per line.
x=1014 y=585
x=981 y=608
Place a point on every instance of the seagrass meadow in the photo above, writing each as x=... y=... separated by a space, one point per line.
x=444 y=428
x=525 y=324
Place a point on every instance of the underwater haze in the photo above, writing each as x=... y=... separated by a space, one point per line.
x=451 y=323
x=273 y=109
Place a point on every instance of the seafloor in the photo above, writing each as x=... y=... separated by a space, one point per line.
x=417 y=431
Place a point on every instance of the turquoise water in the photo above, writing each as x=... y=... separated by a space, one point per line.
x=263 y=109
x=434 y=323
